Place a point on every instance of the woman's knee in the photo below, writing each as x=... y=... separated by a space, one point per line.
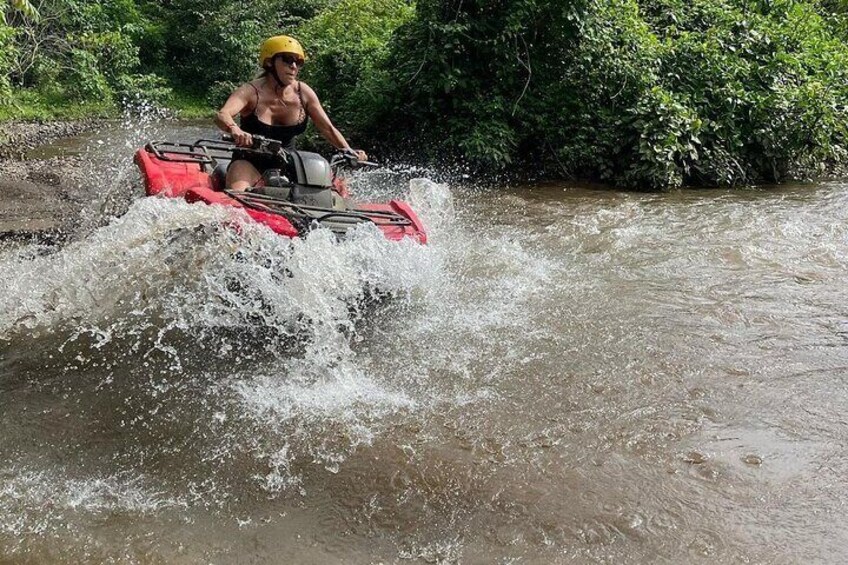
x=241 y=175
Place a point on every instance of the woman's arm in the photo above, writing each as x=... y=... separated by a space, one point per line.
x=323 y=123
x=224 y=119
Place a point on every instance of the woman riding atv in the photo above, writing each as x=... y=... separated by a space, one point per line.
x=276 y=106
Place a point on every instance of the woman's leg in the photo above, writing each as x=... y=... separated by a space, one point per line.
x=241 y=175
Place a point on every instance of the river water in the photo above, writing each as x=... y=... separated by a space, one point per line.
x=563 y=374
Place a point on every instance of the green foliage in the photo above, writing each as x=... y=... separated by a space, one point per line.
x=134 y=89
x=218 y=92
x=668 y=140
x=84 y=81
x=78 y=51
x=765 y=78
x=835 y=14
x=23 y=6
x=186 y=105
x=29 y=104
x=600 y=79
x=7 y=54
x=212 y=41
x=459 y=74
x=644 y=93
x=203 y=43
x=346 y=45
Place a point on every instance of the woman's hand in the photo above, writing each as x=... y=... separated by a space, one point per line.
x=240 y=137
x=361 y=155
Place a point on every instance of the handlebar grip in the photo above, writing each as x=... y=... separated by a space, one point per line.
x=258 y=140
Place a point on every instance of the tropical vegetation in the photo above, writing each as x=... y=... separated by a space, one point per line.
x=642 y=93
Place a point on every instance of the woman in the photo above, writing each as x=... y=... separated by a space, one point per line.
x=277 y=106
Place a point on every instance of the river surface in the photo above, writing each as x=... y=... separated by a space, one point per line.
x=563 y=374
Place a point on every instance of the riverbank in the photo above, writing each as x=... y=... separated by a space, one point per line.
x=17 y=138
x=40 y=198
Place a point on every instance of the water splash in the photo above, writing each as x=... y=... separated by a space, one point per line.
x=199 y=265
x=433 y=202
x=148 y=300
x=112 y=179
x=39 y=503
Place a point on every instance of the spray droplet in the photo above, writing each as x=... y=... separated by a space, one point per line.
x=695 y=458
x=752 y=459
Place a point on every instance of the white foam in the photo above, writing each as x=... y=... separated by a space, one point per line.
x=166 y=265
x=35 y=502
x=186 y=264
x=126 y=262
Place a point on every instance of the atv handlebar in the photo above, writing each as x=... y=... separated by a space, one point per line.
x=261 y=144
x=342 y=157
x=349 y=158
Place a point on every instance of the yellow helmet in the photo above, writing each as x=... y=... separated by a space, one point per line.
x=279 y=44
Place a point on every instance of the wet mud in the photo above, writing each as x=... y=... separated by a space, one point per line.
x=41 y=196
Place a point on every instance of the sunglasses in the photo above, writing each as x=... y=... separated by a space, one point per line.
x=291 y=59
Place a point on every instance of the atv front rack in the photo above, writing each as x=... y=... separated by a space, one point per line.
x=302 y=216
x=201 y=152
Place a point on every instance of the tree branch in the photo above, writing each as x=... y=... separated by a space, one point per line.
x=526 y=65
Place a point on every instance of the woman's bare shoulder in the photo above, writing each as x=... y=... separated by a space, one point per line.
x=309 y=96
x=307 y=90
x=254 y=85
x=244 y=97
x=246 y=89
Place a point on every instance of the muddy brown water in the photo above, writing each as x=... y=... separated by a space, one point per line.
x=563 y=375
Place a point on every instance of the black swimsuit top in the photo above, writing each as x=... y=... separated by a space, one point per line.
x=285 y=134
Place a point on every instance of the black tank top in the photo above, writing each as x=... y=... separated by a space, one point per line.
x=284 y=134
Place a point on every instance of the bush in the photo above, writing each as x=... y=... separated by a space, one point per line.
x=643 y=93
x=7 y=57
x=83 y=81
x=217 y=41
x=79 y=49
x=650 y=93
x=219 y=92
x=143 y=89
x=346 y=45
